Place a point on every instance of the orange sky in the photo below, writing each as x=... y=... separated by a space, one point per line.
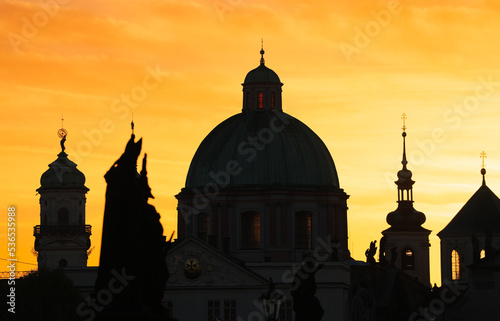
x=349 y=68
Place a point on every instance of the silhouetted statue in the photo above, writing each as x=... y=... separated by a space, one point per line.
x=133 y=247
x=370 y=253
x=394 y=256
x=63 y=140
x=382 y=261
x=362 y=306
x=476 y=255
x=305 y=304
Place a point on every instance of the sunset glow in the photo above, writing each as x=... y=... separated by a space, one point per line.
x=349 y=68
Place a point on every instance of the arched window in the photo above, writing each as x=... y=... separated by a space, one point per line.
x=63 y=216
x=203 y=226
x=455 y=265
x=250 y=229
x=272 y=100
x=261 y=99
x=407 y=259
x=483 y=254
x=303 y=230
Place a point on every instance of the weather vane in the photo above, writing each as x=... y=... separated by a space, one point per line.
x=62 y=133
x=403 y=117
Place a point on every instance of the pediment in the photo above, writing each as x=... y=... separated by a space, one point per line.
x=194 y=263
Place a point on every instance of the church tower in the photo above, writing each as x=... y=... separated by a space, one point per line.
x=406 y=240
x=472 y=234
x=62 y=238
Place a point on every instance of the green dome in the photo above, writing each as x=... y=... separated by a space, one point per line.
x=62 y=173
x=261 y=74
x=285 y=152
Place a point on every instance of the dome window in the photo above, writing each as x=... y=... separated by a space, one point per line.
x=407 y=259
x=203 y=226
x=250 y=230
x=303 y=230
x=261 y=99
x=272 y=100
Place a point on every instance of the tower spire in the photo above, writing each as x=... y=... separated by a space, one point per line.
x=483 y=165
x=404 y=161
x=262 y=52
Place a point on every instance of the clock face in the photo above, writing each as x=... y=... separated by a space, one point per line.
x=192 y=269
x=62 y=133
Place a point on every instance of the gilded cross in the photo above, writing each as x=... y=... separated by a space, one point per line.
x=403 y=117
x=483 y=156
x=192 y=265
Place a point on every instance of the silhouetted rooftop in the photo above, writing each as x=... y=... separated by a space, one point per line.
x=481 y=211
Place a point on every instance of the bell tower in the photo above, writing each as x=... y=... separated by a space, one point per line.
x=406 y=240
x=62 y=238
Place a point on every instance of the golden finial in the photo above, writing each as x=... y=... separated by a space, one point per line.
x=483 y=165
x=404 y=161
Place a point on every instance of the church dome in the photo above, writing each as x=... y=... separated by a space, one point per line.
x=62 y=173
x=262 y=146
x=270 y=147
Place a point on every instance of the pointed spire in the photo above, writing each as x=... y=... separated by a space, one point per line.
x=483 y=165
x=262 y=52
x=404 y=161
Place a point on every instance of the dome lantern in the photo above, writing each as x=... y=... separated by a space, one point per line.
x=262 y=89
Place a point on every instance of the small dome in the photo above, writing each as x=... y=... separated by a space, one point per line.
x=271 y=148
x=406 y=218
x=261 y=74
x=62 y=173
